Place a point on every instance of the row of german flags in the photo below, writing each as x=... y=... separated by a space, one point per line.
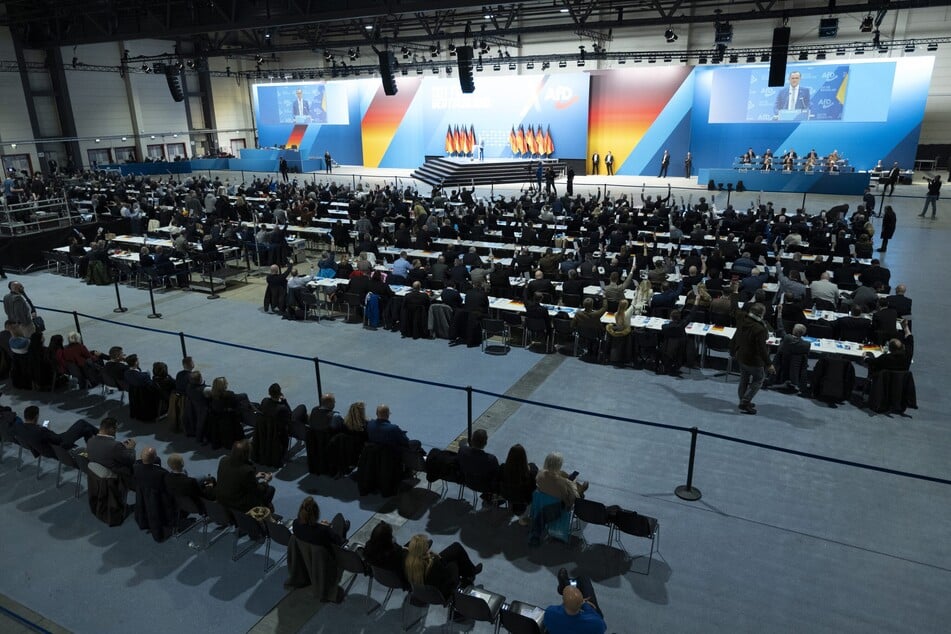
x=531 y=142
x=459 y=141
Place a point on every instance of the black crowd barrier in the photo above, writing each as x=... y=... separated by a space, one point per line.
x=685 y=492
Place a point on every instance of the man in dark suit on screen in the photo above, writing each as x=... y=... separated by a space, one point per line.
x=792 y=97
x=301 y=107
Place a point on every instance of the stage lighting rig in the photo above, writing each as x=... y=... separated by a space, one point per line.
x=670 y=36
x=868 y=22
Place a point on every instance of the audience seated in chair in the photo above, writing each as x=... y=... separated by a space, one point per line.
x=517 y=482
x=239 y=486
x=445 y=570
x=155 y=509
x=480 y=469
x=272 y=433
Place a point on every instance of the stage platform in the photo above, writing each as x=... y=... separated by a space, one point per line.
x=845 y=183
x=455 y=172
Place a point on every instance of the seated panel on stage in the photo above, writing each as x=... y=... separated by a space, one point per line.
x=845 y=183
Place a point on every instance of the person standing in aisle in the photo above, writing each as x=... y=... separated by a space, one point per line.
x=934 y=192
x=889 y=220
x=282 y=168
x=664 y=163
x=570 y=187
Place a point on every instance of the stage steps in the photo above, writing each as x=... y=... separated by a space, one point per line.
x=453 y=172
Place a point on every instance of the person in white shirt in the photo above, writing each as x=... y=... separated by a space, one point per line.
x=823 y=289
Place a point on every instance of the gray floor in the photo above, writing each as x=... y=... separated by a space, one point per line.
x=778 y=543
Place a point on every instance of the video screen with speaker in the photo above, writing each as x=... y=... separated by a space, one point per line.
x=811 y=92
x=301 y=103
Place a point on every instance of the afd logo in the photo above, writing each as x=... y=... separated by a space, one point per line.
x=825 y=103
x=829 y=75
x=562 y=96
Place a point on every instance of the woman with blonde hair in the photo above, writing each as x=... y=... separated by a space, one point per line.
x=445 y=570
x=356 y=419
x=642 y=297
x=553 y=481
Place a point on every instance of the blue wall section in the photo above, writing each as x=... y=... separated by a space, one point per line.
x=850 y=184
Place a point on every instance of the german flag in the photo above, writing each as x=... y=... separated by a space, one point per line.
x=450 y=146
x=520 y=140
x=530 y=141
x=472 y=138
x=457 y=140
x=549 y=144
x=513 y=141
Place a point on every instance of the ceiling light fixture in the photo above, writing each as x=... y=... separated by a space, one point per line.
x=670 y=36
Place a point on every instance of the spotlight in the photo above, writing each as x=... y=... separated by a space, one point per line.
x=353 y=53
x=530 y=65
x=702 y=59
x=562 y=63
x=932 y=46
x=651 y=60
x=623 y=60
x=580 y=62
x=368 y=27
x=546 y=65
x=404 y=71
x=683 y=59
x=751 y=59
x=668 y=58
x=803 y=56
x=496 y=66
x=124 y=139
x=452 y=49
x=910 y=47
x=97 y=140
x=448 y=71
x=670 y=36
x=840 y=51
x=734 y=58
x=267 y=35
x=512 y=65
x=479 y=67
x=860 y=50
x=146 y=68
x=867 y=23
x=828 y=27
x=405 y=52
x=821 y=55
x=434 y=50
x=260 y=60
x=327 y=56
x=764 y=57
x=192 y=64
x=419 y=71
x=435 y=70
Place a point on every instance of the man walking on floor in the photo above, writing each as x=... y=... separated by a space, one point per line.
x=934 y=192
x=749 y=348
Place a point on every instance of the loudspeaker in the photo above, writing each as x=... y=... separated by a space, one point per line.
x=777 y=57
x=174 y=78
x=464 y=59
x=387 y=66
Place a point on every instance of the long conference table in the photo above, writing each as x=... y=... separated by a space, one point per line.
x=695 y=329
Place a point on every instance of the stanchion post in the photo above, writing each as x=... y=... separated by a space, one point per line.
x=181 y=339
x=119 y=308
x=154 y=314
x=320 y=388
x=469 y=413
x=79 y=330
x=687 y=491
x=211 y=282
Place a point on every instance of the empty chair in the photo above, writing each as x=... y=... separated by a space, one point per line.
x=390 y=580
x=66 y=458
x=254 y=530
x=548 y=517
x=351 y=560
x=423 y=596
x=597 y=513
x=718 y=343
x=522 y=618
x=631 y=523
x=536 y=327
x=479 y=605
x=281 y=534
x=590 y=339
x=495 y=336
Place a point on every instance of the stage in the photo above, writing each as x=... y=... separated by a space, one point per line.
x=844 y=183
x=456 y=171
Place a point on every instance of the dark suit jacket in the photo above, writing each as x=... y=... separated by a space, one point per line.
x=477 y=301
x=479 y=468
x=238 y=487
x=37 y=436
x=386 y=433
x=802 y=100
x=185 y=486
x=110 y=453
x=900 y=303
